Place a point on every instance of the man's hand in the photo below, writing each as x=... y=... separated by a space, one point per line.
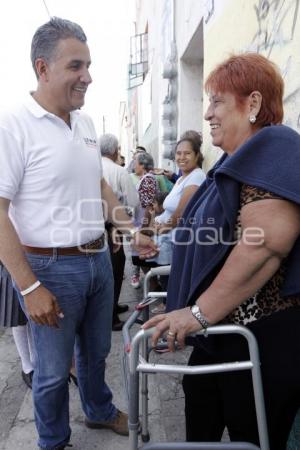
x=43 y=308
x=144 y=245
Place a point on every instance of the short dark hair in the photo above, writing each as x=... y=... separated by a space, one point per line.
x=140 y=148
x=47 y=36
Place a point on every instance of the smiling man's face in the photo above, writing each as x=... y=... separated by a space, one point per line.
x=67 y=76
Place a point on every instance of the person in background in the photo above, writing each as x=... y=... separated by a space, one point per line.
x=196 y=136
x=23 y=340
x=189 y=159
x=12 y=316
x=157 y=208
x=140 y=149
x=163 y=182
x=120 y=182
x=236 y=260
x=131 y=165
x=160 y=282
x=163 y=185
x=52 y=239
x=135 y=277
x=147 y=189
x=122 y=161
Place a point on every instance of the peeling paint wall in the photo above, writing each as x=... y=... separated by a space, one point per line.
x=269 y=27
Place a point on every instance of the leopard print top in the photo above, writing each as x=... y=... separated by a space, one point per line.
x=266 y=300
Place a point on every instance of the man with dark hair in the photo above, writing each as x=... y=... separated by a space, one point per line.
x=140 y=149
x=122 y=161
x=52 y=234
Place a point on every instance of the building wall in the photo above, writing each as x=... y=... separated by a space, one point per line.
x=189 y=38
x=149 y=94
x=188 y=16
x=269 y=27
x=190 y=96
x=207 y=32
x=157 y=17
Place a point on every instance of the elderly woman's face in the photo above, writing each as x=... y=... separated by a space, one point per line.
x=229 y=122
x=138 y=168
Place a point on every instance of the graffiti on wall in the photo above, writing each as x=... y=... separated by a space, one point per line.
x=276 y=21
x=276 y=28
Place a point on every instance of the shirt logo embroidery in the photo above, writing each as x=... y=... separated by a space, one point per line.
x=92 y=143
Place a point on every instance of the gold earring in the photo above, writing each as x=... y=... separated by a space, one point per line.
x=252 y=118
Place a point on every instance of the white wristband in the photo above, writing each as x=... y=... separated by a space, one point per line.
x=31 y=288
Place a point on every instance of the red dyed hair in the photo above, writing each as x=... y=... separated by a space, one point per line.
x=242 y=74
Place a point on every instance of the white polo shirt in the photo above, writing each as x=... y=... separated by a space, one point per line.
x=51 y=173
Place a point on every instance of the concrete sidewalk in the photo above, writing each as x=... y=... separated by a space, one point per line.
x=17 y=429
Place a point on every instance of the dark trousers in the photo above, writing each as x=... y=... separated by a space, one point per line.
x=216 y=401
x=118 y=260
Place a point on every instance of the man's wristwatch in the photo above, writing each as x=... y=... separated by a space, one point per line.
x=196 y=311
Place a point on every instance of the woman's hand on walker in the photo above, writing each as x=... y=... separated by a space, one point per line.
x=176 y=324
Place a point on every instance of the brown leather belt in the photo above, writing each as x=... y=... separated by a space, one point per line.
x=83 y=249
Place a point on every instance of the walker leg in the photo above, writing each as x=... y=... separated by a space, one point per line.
x=133 y=411
x=144 y=390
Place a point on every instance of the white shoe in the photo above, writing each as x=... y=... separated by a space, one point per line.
x=135 y=281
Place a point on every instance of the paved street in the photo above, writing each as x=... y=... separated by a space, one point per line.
x=17 y=430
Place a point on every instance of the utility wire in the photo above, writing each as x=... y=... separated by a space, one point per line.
x=48 y=12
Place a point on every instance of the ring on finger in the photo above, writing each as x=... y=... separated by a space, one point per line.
x=171 y=334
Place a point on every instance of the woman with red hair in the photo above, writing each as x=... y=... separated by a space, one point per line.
x=240 y=264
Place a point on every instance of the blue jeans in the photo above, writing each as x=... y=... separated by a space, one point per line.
x=83 y=286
